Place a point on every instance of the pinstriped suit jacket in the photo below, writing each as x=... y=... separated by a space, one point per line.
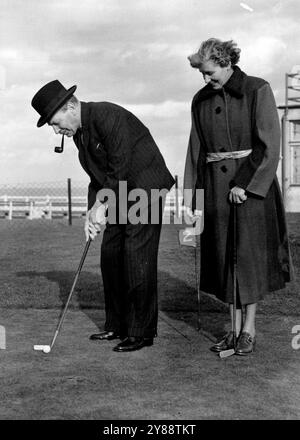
x=114 y=145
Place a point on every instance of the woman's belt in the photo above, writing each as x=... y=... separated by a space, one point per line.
x=216 y=157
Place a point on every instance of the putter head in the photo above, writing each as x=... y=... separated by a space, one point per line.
x=226 y=353
x=43 y=348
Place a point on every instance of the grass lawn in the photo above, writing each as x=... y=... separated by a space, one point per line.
x=177 y=378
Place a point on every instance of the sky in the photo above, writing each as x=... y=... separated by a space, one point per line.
x=133 y=53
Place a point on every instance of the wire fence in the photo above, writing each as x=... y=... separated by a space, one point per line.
x=38 y=200
x=59 y=199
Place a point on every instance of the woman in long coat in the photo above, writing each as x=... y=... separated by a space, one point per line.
x=233 y=154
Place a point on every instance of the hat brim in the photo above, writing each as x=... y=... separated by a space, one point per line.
x=60 y=103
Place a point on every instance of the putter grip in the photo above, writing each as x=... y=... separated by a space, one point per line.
x=86 y=248
x=234 y=258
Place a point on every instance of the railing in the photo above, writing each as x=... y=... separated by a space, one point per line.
x=49 y=207
x=43 y=201
x=33 y=207
x=295 y=163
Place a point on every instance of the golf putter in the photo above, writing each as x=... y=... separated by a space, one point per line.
x=190 y=236
x=197 y=277
x=200 y=329
x=231 y=351
x=48 y=348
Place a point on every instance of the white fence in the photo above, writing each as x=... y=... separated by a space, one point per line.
x=33 y=207
x=49 y=207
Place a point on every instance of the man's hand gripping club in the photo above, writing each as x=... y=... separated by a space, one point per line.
x=95 y=220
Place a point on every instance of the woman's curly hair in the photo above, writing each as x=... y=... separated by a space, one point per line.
x=220 y=52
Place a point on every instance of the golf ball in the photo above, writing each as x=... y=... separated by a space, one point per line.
x=47 y=350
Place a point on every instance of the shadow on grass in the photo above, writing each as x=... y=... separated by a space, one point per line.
x=177 y=299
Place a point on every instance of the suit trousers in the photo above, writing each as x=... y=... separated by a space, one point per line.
x=129 y=270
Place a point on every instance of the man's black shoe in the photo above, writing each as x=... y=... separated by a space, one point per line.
x=131 y=344
x=105 y=336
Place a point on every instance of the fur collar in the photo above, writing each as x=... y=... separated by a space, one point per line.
x=234 y=86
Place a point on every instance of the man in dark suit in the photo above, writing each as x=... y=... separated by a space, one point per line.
x=117 y=151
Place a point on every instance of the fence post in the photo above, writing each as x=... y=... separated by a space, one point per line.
x=285 y=152
x=50 y=210
x=176 y=196
x=31 y=210
x=48 y=207
x=69 y=202
x=2 y=338
x=10 y=212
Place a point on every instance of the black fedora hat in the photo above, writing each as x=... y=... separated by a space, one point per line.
x=49 y=99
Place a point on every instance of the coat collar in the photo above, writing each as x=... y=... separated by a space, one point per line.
x=234 y=86
x=82 y=134
x=85 y=115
